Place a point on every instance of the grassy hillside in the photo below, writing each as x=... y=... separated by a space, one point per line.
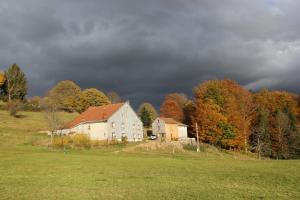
x=35 y=172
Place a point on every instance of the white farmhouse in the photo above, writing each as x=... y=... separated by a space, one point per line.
x=109 y=122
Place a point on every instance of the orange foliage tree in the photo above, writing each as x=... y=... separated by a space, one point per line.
x=172 y=109
x=282 y=120
x=223 y=111
x=2 y=79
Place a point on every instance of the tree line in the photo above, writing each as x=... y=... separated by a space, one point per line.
x=228 y=115
x=232 y=117
x=64 y=96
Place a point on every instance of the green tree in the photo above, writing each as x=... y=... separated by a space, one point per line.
x=261 y=139
x=64 y=95
x=145 y=117
x=147 y=114
x=16 y=83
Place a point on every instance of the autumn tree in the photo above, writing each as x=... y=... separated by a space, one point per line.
x=180 y=98
x=240 y=110
x=92 y=97
x=114 y=97
x=2 y=85
x=223 y=110
x=2 y=79
x=209 y=101
x=33 y=104
x=282 y=122
x=171 y=109
x=64 y=95
x=185 y=104
x=147 y=113
x=260 y=138
x=16 y=83
x=283 y=127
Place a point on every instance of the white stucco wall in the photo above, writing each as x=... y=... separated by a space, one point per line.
x=95 y=130
x=125 y=122
x=182 y=132
x=158 y=126
x=98 y=131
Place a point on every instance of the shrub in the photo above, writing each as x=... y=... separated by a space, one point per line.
x=33 y=104
x=61 y=141
x=81 y=141
x=124 y=139
x=14 y=107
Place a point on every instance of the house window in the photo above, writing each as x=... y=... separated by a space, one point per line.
x=89 y=127
x=133 y=126
x=123 y=125
x=113 y=125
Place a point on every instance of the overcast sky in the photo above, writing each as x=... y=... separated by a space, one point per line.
x=145 y=49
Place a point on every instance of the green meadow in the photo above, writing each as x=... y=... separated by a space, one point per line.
x=31 y=170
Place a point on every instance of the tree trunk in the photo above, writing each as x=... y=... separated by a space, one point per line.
x=9 y=97
x=51 y=138
x=9 y=92
x=245 y=140
x=259 y=149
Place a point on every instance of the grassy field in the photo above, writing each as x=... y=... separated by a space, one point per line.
x=30 y=171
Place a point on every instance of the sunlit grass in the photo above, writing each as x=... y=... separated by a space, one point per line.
x=37 y=172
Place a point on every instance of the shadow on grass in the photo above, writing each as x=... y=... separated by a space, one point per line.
x=20 y=116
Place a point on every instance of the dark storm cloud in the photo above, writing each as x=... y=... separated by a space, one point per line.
x=145 y=49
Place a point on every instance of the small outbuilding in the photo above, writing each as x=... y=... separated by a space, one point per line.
x=169 y=129
x=109 y=122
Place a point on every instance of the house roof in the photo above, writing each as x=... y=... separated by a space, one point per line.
x=168 y=120
x=98 y=113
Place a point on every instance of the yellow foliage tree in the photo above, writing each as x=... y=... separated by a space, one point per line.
x=2 y=79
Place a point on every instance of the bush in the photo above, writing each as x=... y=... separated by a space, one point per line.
x=124 y=139
x=14 y=107
x=33 y=104
x=61 y=141
x=81 y=141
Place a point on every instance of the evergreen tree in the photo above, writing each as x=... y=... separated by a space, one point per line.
x=145 y=117
x=147 y=114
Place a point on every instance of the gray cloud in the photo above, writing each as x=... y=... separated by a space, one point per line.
x=146 y=49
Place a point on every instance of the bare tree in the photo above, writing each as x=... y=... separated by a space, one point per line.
x=53 y=121
x=114 y=97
